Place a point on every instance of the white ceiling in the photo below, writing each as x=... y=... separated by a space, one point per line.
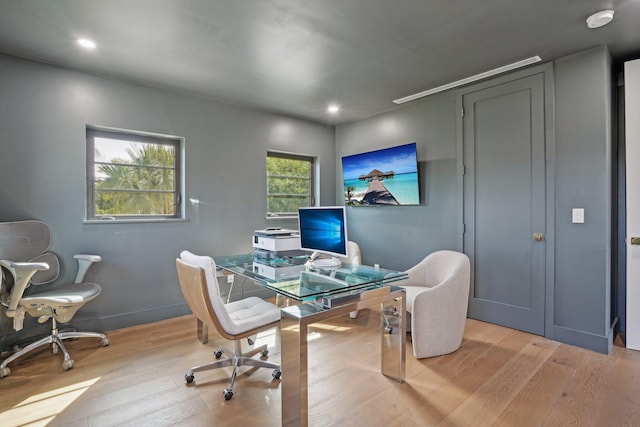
x=297 y=56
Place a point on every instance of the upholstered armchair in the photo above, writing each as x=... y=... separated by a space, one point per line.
x=354 y=257
x=437 y=300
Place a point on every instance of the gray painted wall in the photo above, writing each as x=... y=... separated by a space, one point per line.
x=578 y=309
x=583 y=121
x=43 y=114
x=44 y=110
x=398 y=237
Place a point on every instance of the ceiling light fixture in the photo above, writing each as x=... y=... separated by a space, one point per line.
x=471 y=79
x=86 y=43
x=600 y=19
x=333 y=109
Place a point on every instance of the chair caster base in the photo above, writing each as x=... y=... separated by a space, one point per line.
x=228 y=394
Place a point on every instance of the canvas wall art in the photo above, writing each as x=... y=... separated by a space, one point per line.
x=385 y=177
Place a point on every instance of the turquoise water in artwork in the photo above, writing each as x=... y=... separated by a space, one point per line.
x=404 y=188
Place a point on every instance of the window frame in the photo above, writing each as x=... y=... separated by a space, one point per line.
x=313 y=190
x=176 y=142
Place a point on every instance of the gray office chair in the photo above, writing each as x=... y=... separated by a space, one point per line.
x=234 y=321
x=25 y=261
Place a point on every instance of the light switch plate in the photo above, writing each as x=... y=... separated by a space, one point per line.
x=577 y=215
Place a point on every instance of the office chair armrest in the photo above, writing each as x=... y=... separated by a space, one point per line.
x=84 y=262
x=22 y=273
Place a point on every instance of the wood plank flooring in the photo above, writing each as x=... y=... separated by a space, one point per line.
x=499 y=377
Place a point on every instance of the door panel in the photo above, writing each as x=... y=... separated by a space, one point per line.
x=632 y=146
x=504 y=202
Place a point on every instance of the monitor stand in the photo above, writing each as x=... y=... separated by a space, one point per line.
x=326 y=263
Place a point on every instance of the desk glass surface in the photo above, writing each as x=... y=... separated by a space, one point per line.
x=304 y=283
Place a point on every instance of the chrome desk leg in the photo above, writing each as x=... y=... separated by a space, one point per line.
x=294 y=326
x=393 y=345
x=293 y=335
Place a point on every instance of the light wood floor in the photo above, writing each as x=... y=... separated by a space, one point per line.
x=498 y=377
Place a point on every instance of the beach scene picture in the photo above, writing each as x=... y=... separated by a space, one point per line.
x=382 y=177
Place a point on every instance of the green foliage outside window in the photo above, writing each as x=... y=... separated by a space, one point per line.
x=289 y=183
x=142 y=184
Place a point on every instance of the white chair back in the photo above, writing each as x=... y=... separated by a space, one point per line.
x=209 y=266
x=353 y=254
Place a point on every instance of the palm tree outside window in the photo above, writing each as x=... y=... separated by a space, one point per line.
x=132 y=175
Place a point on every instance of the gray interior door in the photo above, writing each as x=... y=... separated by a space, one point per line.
x=504 y=202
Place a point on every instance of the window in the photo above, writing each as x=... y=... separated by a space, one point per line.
x=290 y=183
x=132 y=175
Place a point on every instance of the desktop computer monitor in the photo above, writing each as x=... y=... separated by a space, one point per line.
x=323 y=230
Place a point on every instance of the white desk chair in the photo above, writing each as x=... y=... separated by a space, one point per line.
x=234 y=321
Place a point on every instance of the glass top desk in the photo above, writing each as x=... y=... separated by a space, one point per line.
x=320 y=295
x=291 y=278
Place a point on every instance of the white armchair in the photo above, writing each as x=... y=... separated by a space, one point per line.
x=437 y=300
x=354 y=257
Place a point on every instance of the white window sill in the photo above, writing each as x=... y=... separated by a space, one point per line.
x=133 y=221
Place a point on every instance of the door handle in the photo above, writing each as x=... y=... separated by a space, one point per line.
x=539 y=237
x=635 y=240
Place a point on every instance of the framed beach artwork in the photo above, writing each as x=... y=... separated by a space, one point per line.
x=386 y=177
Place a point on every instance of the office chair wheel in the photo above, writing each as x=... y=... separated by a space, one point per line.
x=277 y=373
x=388 y=329
x=188 y=377
x=104 y=342
x=4 y=372
x=217 y=354
x=228 y=394
x=67 y=364
x=264 y=353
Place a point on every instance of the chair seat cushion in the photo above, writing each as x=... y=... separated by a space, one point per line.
x=411 y=292
x=250 y=313
x=75 y=293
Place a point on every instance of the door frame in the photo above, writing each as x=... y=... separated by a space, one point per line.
x=549 y=148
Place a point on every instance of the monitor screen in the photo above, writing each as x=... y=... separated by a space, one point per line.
x=323 y=229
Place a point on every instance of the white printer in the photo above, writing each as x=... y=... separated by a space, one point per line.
x=276 y=240
x=277 y=253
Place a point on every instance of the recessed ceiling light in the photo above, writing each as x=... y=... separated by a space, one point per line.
x=600 y=19
x=86 y=43
x=333 y=109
